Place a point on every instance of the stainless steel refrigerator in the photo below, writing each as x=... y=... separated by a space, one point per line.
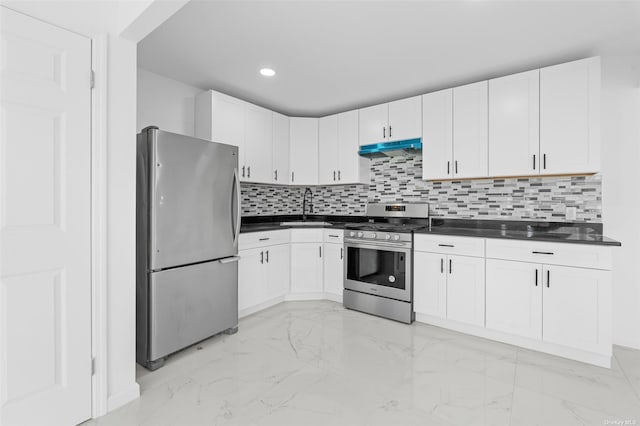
x=187 y=226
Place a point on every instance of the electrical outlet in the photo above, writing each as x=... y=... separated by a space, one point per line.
x=570 y=213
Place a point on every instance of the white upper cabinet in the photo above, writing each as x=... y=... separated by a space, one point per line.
x=303 y=150
x=405 y=118
x=470 y=130
x=514 y=124
x=328 y=150
x=437 y=135
x=258 y=147
x=570 y=117
x=373 y=124
x=338 y=159
x=225 y=119
x=394 y=121
x=281 y=173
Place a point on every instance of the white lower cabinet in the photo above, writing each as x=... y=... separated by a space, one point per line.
x=465 y=289
x=252 y=282
x=430 y=284
x=306 y=268
x=514 y=297
x=576 y=308
x=333 y=269
x=278 y=270
x=449 y=285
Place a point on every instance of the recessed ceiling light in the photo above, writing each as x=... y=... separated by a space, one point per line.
x=267 y=72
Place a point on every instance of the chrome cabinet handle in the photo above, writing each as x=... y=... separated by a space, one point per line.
x=441 y=265
x=384 y=133
x=544 y=161
x=261 y=257
x=291 y=176
x=450 y=266
x=548 y=278
x=249 y=171
x=338 y=174
x=333 y=235
x=456 y=162
x=275 y=172
x=448 y=167
x=242 y=171
x=334 y=175
x=389 y=130
x=534 y=161
x=446 y=245
x=542 y=252
x=341 y=253
x=320 y=250
x=267 y=256
x=536 y=277
x=264 y=239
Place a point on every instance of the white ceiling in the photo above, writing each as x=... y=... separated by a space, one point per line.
x=331 y=56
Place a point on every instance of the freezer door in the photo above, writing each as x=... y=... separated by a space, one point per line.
x=191 y=303
x=194 y=200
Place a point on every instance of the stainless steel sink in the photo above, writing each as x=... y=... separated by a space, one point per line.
x=305 y=223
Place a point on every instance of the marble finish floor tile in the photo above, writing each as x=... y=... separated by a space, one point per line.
x=315 y=363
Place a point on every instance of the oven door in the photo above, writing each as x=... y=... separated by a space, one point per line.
x=381 y=268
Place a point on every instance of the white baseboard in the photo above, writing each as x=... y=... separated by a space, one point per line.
x=599 y=359
x=333 y=297
x=257 y=308
x=118 y=400
x=304 y=296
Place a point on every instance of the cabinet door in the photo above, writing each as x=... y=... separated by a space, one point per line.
x=251 y=278
x=328 y=150
x=228 y=118
x=514 y=297
x=258 y=144
x=352 y=168
x=577 y=308
x=405 y=118
x=333 y=268
x=281 y=149
x=306 y=268
x=437 y=135
x=514 y=124
x=430 y=284
x=373 y=122
x=465 y=289
x=304 y=151
x=279 y=269
x=470 y=133
x=570 y=117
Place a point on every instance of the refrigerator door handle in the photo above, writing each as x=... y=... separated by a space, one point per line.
x=229 y=259
x=236 y=180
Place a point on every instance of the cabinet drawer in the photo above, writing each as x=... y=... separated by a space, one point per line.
x=464 y=246
x=263 y=239
x=307 y=235
x=582 y=256
x=333 y=236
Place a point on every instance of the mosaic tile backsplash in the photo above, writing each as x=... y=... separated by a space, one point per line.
x=398 y=179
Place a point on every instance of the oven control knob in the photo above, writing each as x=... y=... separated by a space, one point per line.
x=372 y=235
x=360 y=234
x=352 y=234
x=387 y=237
x=396 y=237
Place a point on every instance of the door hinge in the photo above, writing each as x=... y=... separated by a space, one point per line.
x=92 y=79
x=93 y=366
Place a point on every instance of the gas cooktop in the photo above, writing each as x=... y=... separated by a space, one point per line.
x=384 y=227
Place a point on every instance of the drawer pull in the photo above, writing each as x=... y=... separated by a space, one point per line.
x=449 y=266
x=536 y=277
x=334 y=236
x=548 y=278
x=542 y=252
x=446 y=245
x=264 y=239
x=442 y=266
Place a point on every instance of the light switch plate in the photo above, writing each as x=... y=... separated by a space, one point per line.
x=570 y=213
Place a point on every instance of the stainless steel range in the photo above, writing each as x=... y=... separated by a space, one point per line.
x=378 y=269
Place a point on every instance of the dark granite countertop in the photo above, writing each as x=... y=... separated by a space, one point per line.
x=272 y=223
x=557 y=232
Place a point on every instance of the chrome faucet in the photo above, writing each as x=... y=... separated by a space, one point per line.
x=304 y=203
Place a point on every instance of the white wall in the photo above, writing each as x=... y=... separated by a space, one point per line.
x=620 y=192
x=166 y=103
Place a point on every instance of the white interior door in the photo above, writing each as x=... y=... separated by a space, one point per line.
x=45 y=287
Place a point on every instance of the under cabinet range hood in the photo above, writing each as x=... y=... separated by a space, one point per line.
x=392 y=149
